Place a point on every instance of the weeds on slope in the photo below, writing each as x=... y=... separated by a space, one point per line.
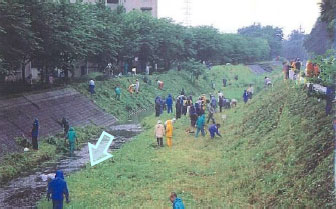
x=267 y=158
x=174 y=82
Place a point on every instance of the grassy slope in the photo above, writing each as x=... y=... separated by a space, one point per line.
x=265 y=158
x=14 y=164
x=174 y=81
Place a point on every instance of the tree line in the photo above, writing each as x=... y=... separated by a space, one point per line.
x=322 y=37
x=59 y=34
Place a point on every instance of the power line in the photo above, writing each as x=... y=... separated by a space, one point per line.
x=187 y=12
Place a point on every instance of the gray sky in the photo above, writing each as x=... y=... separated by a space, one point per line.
x=229 y=15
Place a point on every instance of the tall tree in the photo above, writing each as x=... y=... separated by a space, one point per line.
x=293 y=47
x=328 y=15
x=318 y=41
x=207 y=43
x=103 y=44
x=17 y=40
x=274 y=36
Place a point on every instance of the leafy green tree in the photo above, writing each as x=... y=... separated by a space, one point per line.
x=318 y=41
x=194 y=68
x=294 y=46
x=207 y=43
x=274 y=36
x=327 y=64
x=328 y=15
x=103 y=41
x=171 y=43
x=137 y=37
x=17 y=40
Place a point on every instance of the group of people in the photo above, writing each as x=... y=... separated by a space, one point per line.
x=69 y=134
x=292 y=69
x=166 y=130
x=196 y=112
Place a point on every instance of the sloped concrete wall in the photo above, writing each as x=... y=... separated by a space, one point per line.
x=17 y=115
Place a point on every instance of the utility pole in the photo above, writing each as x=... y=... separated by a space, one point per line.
x=187 y=12
x=301 y=29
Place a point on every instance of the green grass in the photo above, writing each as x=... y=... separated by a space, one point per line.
x=174 y=82
x=51 y=148
x=276 y=152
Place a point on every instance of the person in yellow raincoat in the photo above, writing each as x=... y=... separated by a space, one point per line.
x=204 y=99
x=169 y=132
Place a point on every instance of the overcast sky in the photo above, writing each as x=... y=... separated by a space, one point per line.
x=229 y=15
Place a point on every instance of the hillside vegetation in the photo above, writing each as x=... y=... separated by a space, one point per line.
x=276 y=151
x=174 y=82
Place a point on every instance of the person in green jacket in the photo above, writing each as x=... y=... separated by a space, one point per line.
x=72 y=139
x=200 y=125
x=118 y=92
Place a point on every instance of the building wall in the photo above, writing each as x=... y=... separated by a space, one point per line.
x=143 y=5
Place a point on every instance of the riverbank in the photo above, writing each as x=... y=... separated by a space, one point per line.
x=276 y=151
x=50 y=150
x=174 y=81
x=30 y=187
x=52 y=147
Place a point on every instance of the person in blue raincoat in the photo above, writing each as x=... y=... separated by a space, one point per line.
x=169 y=102
x=162 y=105
x=157 y=106
x=177 y=202
x=214 y=102
x=245 y=96
x=213 y=129
x=57 y=189
x=35 y=134
x=330 y=95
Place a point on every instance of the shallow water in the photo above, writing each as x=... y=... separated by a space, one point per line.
x=25 y=191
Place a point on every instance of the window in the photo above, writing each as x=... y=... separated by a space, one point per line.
x=147 y=9
x=113 y=1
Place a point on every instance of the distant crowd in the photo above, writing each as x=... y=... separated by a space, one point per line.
x=292 y=70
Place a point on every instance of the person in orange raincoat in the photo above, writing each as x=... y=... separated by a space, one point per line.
x=316 y=70
x=169 y=132
x=310 y=69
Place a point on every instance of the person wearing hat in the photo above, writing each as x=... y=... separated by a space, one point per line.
x=169 y=132
x=159 y=132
